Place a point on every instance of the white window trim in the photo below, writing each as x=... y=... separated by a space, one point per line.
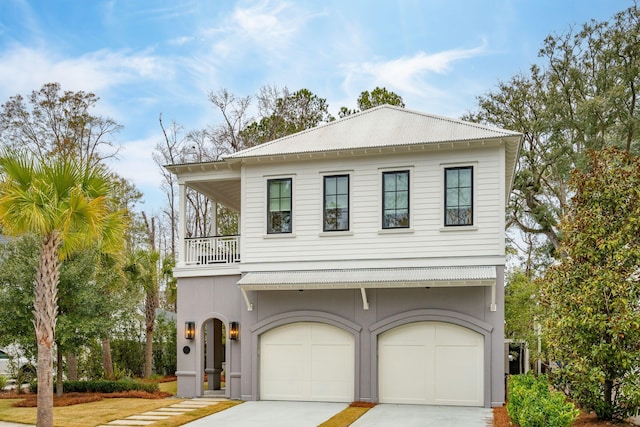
x=349 y=232
x=409 y=229
x=474 y=175
x=265 y=210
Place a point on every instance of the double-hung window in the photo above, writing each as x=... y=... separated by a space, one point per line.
x=395 y=199
x=279 y=206
x=336 y=203
x=458 y=195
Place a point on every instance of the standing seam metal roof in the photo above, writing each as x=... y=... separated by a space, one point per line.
x=367 y=276
x=383 y=126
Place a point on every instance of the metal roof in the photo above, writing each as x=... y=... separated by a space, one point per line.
x=379 y=127
x=370 y=278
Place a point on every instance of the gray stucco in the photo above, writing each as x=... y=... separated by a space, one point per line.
x=203 y=298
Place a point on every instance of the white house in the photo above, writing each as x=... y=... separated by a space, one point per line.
x=369 y=265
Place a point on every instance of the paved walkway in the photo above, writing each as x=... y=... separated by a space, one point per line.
x=150 y=417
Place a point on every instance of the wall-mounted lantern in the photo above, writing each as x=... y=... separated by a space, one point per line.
x=234 y=331
x=189 y=330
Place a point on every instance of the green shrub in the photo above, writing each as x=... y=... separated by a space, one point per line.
x=531 y=403
x=104 y=386
x=3 y=382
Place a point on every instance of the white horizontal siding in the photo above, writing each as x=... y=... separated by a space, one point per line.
x=365 y=242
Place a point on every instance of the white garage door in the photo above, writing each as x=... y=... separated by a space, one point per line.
x=431 y=363
x=307 y=361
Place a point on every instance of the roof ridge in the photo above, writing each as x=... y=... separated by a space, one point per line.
x=320 y=126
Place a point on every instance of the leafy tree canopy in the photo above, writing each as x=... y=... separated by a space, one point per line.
x=51 y=122
x=591 y=297
x=378 y=96
x=583 y=95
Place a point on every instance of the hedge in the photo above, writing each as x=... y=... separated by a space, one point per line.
x=103 y=386
x=532 y=403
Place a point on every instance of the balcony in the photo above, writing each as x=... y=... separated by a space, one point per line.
x=218 y=250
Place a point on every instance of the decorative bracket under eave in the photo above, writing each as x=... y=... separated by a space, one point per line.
x=365 y=302
x=246 y=300
x=493 y=306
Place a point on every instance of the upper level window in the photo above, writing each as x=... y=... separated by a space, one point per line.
x=336 y=203
x=395 y=199
x=458 y=194
x=279 y=212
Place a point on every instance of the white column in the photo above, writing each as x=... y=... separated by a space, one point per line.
x=182 y=226
x=214 y=217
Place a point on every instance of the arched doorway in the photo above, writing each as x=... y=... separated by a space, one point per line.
x=213 y=358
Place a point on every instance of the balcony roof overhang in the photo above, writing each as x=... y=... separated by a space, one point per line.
x=367 y=278
x=218 y=180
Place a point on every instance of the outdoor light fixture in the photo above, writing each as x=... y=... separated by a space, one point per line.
x=233 y=331
x=189 y=330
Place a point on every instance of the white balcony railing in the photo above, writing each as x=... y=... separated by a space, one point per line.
x=212 y=250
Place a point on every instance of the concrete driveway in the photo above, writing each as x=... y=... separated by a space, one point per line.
x=311 y=414
x=266 y=413
x=387 y=415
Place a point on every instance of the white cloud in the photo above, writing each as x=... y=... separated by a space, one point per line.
x=408 y=74
x=135 y=162
x=23 y=69
x=181 y=41
x=267 y=28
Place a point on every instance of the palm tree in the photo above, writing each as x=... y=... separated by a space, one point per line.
x=66 y=204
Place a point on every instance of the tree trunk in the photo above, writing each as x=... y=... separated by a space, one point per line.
x=45 y=315
x=72 y=366
x=148 y=353
x=107 y=362
x=608 y=400
x=59 y=370
x=150 y=319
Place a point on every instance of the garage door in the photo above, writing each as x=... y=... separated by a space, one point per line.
x=307 y=361
x=431 y=363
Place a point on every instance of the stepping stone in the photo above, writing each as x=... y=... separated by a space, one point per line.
x=149 y=417
x=162 y=413
x=188 y=406
x=130 y=423
x=171 y=409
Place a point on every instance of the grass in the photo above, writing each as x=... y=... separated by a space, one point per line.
x=345 y=417
x=83 y=415
x=101 y=412
x=169 y=387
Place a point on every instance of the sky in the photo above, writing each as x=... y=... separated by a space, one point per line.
x=144 y=58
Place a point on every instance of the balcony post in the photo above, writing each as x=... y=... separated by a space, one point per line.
x=182 y=227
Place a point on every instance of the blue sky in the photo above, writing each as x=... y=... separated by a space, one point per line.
x=146 y=57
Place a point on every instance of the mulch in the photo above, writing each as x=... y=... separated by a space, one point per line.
x=360 y=404
x=501 y=419
x=30 y=400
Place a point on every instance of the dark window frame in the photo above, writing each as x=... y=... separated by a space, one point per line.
x=470 y=207
x=280 y=213
x=325 y=218
x=386 y=224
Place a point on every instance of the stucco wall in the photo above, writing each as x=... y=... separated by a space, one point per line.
x=202 y=298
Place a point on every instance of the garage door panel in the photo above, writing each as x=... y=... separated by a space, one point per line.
x=448 y=334
x=431 y=363
x=458 y=382
x=284 y=360
x=319 y=359
x=333 y=355
x=401 y=385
